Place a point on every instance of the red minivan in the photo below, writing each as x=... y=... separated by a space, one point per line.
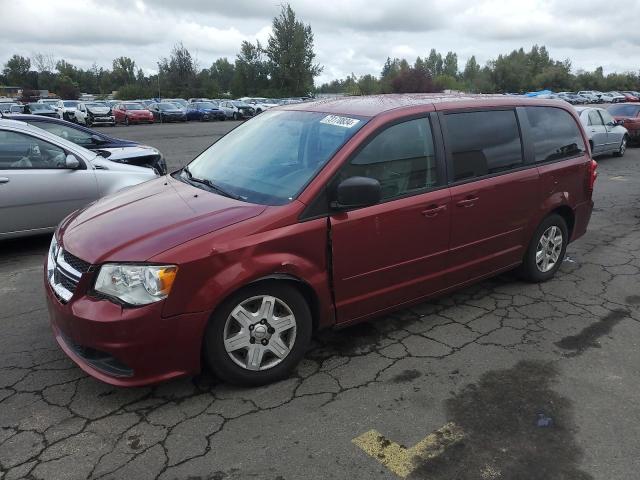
x=315 y=215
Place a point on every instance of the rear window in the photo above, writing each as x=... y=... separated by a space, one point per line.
x=483 y=143
x=624 y=110
x=554 y=133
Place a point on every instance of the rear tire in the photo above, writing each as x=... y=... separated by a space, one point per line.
x=126 y=121
x=294 y=336
x=546 y=250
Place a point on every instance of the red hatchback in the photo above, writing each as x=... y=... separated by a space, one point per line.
x=315 y=215
x=131 y=112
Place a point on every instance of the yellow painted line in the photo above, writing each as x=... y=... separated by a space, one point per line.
x=402 y=460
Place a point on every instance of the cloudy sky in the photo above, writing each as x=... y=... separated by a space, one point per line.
x=350 y=35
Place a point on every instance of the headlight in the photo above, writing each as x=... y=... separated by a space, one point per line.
x=136 y=284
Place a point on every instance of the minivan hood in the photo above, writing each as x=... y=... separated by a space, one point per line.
x=140 y=222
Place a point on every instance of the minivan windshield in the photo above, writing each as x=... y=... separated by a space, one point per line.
x=271 y=158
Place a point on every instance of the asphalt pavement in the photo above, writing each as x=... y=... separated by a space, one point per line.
x=502 y=380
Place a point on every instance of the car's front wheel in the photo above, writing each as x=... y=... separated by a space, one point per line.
x=259 y=334
x=546 y=249
x=623 y=147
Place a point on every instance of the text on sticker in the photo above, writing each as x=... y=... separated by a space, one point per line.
x=339 y=121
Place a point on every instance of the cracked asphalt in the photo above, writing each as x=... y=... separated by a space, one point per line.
x=543 y=379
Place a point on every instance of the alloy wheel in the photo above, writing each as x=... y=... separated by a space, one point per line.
x=260 y=332
x=623 y=146
x=549 y=249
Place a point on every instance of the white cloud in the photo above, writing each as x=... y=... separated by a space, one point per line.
x=351 y=36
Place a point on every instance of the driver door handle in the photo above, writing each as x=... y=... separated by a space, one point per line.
x=467 y=202
x=4 y=180
x=433 y=210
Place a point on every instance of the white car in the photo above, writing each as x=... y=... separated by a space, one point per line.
x=67 y=109
x=612 y=97
x=260 y=104
x=43 y=178
x=606 y=136
x=590 y=95
x=94 y=113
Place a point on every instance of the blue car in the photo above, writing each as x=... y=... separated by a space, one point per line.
x=204 y=111
x=111 y=148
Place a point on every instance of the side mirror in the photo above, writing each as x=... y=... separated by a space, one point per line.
x=71 y=162
x=97 y=139
x=618 y=122
x=357 y=192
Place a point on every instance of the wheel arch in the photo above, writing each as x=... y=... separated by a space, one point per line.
x=569 y=216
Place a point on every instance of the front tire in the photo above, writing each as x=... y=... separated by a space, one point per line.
x=126 y=121
x=258 y=335
x=623 y=147
x=546 y=249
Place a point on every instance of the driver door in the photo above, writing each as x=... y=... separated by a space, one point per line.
x=396 y=251
x=36 y=190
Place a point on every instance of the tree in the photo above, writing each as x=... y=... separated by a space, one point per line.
x=434 y=63
x=450 y=65
x=471 y=70
x=16 y=70
x=250 y=71
x=412 y=81
x=178 y=73
x=123 y=71
x=291 y=56
x=44 y=62
x=221 y=73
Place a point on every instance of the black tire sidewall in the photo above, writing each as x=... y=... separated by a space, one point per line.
x=220 y=362
x=529 y=268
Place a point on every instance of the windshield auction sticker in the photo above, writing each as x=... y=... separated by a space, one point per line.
x=339 y=121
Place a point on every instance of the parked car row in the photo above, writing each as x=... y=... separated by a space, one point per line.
x=592 y=96
x=113 y=112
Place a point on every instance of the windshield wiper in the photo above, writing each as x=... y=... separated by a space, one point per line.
x=212 y=186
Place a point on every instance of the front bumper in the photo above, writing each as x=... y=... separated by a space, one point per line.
x=125 y=346
x=103 y=120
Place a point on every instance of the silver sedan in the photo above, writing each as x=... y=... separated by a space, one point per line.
x=43 y=178
x=606 y=136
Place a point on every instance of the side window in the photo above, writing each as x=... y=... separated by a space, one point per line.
x=555 y=134
x=482 y=143
x=594 y=118
x=76 y=136
x=20 y=151
x=401 y=158
x=607 y=118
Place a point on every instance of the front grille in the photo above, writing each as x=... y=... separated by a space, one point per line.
x=80 y=265
x=65 y=271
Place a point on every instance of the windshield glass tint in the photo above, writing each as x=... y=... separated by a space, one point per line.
x=70 y=104
x=167 y=106
x=133 y=106
x=205 y=105
x=299 y=145
x=624 y=110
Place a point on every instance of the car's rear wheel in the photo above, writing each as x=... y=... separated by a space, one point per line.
x=546 y=249
x=259 y=334
x=623 y=147
x=236 y=116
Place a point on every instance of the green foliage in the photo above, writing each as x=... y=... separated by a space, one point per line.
x=516 y=72
x=291 y=57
